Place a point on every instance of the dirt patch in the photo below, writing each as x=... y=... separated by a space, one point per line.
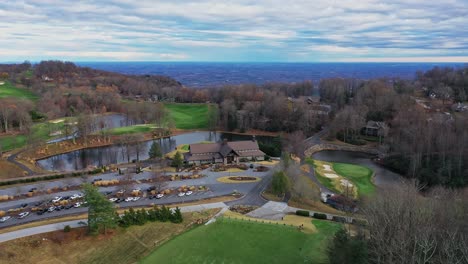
x=10 y=170
x=242 y=209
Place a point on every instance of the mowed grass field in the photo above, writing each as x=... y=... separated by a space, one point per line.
x=240 y=241
x=122 y=247
x=358 y=175
x=40 y=131
x=361 y=176
x=146 y=128
x=189 y=116
x=8 y=90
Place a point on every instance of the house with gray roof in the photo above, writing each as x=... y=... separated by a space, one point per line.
x=223 y=152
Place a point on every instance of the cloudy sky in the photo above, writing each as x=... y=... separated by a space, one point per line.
x=243 y=30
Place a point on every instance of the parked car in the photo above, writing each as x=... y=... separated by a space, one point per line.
x=23 y=215
x=4 y=219
x=129 y=199
x=42 y=211
x=181 y=194
x=33 y=189
x=121 y=192
x=51 y=209
x=76 y=205
x=113 y=199
x=188 y=193
x=136 y=198
x=57 y=199
x=159 y=196
x=68 y=206
x=108 y=192
x=23 y=205
x=119 y=200
x=151 y=188
x=38 y=203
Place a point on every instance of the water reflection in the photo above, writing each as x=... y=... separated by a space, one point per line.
x=101 y=156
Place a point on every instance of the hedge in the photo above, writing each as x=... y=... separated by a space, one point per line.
x=302 y=213
x=320 y=216
x=50 y=177
x=339 y=219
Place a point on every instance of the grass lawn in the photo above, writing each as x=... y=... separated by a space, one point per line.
x=8 y=90
x=123 y=246
x=239 y=241
x=132 y=129
x=359 y=175
x=41 y=131
x=189 y=116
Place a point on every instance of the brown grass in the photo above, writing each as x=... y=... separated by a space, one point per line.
x=120 y=211
x=9 y=170
x=121 y=246
x=294 y=220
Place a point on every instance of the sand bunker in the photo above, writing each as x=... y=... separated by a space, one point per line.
x=346 y=183
x=330 y=175
x=57 y=121
x=327 y=167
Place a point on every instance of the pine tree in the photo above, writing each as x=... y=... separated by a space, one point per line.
x=176 y=216
x=177 y=161
x=155 y=151
x=101 y=212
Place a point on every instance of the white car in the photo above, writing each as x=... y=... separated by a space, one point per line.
x=23 y=215
x=51 y=209
x=57 y=199
x=137 y=190
x=129 y=199
x=181 y=194
x=113 y=199
x=159 y=196
x=136 y=198
x=76 y=196
x=77 y=205
x=4 y=219
x=188 y=193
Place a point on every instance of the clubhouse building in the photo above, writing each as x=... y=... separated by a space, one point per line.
x=224 y=152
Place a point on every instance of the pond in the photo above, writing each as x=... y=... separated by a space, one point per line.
x=115 y=154
x=100 y=122
x=382 y=177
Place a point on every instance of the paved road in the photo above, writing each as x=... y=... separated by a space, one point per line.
x=78 y=223
x=216 y=189
x=12 y=159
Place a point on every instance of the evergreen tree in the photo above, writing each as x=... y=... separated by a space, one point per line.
x=344 y=249
x=155 y=151
x=280 y=183
x=178 y=160
x=176 y=216
x=101 y=212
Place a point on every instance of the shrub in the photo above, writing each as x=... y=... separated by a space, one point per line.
x=67 y=229
x=339 y=219
x=303 y=213
x=320 y=216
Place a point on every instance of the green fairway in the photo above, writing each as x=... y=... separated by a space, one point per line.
x=359 y=175
x=189 y=116
x=240 y=241
x=8 y=90
x=132 y=129
x=40 y=131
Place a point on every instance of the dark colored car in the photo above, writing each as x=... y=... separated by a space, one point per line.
x=33 y=189
x=24 y=205
x=68 y=206
x=38 y=203
x=152 y=188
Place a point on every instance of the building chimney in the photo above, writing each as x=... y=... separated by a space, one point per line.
x=253 y=138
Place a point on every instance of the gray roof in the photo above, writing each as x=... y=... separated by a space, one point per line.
x=209 y=151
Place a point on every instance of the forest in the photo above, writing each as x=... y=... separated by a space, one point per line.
x=424 y=137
